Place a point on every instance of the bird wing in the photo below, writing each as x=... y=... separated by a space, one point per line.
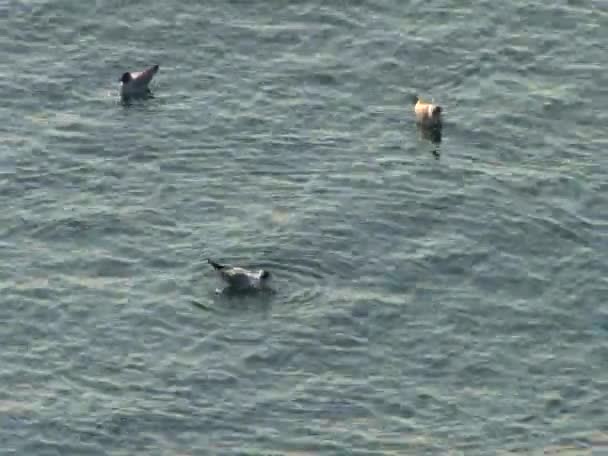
x=144 y=77
x=237 y=277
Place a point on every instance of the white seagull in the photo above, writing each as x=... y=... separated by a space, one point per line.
x=135 y=84
x=241 y=279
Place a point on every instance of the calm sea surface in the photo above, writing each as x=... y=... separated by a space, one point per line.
x=431 y=298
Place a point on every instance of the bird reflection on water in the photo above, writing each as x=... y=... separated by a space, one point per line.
x=432 y=135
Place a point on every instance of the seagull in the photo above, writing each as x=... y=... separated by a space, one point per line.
x=427 y=114
x=135 y=84
x=241 y=279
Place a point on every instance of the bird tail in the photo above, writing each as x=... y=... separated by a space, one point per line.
x=215 y=265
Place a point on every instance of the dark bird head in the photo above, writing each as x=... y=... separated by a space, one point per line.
x=437 y=111
x=414 y=99
x=265 y=275
x=125 y=78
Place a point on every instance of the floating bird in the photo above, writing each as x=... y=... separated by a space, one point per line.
x=427 y=114
x=241 y=279
x=135 y=84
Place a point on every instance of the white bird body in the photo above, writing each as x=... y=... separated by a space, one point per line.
x=241 y=279
x=135 y=84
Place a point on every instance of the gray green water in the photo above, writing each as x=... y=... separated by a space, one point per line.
x=449 y=303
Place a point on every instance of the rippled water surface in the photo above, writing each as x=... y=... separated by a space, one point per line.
x=431 y=297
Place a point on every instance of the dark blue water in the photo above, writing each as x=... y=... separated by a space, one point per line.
x=431 y=298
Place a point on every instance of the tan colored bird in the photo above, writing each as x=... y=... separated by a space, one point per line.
x=427 y=114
